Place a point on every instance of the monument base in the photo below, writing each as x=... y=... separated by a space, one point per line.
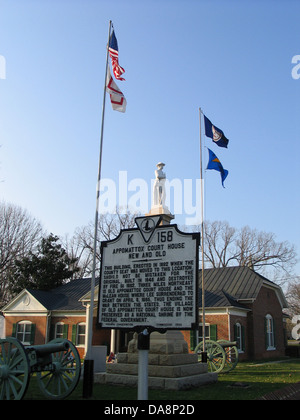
x=169 y=372
x=170 y=366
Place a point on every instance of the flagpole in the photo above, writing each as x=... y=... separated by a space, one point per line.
x=204 y=354
x=88 y=378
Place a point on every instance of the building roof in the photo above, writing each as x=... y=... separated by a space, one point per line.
x=224 y=287
x=68 y=294
x=219 y=299
x=234 y=286
x=65 y=297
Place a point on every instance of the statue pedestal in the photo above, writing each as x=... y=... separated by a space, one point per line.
x=170 y=366
x=162 y=211
x=171 y=342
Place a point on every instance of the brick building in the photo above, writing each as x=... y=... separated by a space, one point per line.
x=243 y=306
x=240 y=305
x=36 y=317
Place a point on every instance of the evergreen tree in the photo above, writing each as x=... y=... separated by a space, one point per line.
x=46 y=269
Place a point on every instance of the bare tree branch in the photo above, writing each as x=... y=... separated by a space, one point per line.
x=225 y=246
x=109 y=226
x=19 y=234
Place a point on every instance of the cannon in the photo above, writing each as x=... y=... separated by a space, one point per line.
x=56 y=365
x=222 y=355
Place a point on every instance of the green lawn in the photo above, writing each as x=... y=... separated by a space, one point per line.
x=259 y=379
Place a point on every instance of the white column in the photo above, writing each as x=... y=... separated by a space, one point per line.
x=87 y=332
x=113 y=341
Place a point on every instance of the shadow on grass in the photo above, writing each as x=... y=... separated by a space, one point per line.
x=246 y=382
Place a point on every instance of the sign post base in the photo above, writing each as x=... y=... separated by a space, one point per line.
x=88 y=378
x=143 y=348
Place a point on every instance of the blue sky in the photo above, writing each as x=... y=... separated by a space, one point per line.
x=231 y=58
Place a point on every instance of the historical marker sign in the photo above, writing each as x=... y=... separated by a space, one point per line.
x=149 y=278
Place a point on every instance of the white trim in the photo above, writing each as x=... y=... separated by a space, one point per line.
x=55 y=328
x=22 y=313
x=246 y=301
x=270 y=334
x=18 y=299
x=239 y=326
x=68 y=314
x=226 y=311
x=77 y=334
x=23 y=322
x=229 y=325
x=239 y=313
x=2 y=327
x=86 y=299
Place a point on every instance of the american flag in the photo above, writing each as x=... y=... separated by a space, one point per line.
x=114 y=55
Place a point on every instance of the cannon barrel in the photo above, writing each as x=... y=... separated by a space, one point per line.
x=46 y=349
x=227 y=343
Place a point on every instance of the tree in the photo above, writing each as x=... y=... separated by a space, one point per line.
x=19 y=234
x=47 y=269
x=225 y=246
x=81 y=245
x=293 y=296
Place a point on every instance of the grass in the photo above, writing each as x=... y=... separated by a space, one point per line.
x=259 y=378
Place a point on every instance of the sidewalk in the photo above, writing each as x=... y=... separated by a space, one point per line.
x=290 y=392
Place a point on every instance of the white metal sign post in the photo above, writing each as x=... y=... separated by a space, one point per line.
x=143 y=348
x=149 y=278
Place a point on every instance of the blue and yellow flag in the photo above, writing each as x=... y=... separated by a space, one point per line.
x=214 y=163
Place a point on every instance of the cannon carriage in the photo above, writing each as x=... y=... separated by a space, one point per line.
x=56 y=364
x=222 y=355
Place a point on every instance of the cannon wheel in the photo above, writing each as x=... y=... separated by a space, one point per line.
x=215 y=355
x=59 y=383
x=14 y=369
x=232 y=356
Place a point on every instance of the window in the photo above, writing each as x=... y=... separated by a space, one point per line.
x=270 y=332
x=207 y=332
x=239 y=336
x=210 y=332
x=80 y=334
x=25 y=332
x=60 y=330
x=196 y=336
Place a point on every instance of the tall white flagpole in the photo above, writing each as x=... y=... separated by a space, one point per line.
x=88 y=362
x=204 y=357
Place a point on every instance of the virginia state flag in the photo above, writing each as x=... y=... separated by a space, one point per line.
x=214 y=163
x=117 y=99
x=215 y=133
